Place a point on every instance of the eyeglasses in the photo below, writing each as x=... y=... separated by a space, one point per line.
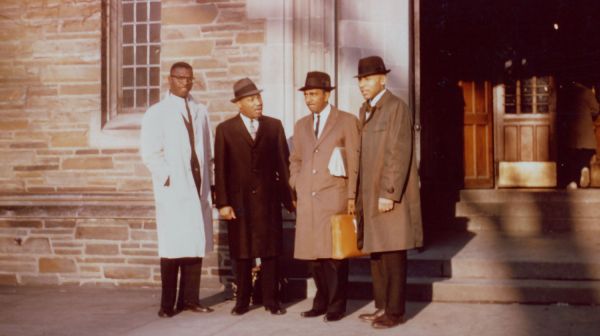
x=182 y=78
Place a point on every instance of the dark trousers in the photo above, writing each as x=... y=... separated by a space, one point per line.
x=189 y=270
x=331 y=279
x=268 y=281
x=388 y=270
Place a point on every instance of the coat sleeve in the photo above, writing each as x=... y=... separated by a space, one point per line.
x=352 y=145
x=295 y=157
x=283 y=169
x=152 y=146
x=398 y=154
x=220 y=173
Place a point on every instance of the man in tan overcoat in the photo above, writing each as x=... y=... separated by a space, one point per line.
x=388 y=201
x=320 y=194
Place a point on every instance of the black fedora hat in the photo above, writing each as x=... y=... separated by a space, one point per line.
x=372 y=65
x=317 y=80
x=243 y=88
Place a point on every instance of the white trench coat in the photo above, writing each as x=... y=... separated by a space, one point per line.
x=183 y=221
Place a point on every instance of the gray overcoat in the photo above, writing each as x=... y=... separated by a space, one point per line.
x=388 y=170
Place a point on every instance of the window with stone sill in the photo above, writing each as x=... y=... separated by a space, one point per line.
x=130 y=62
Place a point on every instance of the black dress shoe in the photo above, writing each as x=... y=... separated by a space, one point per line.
x=369 y=317
x=239 y=310
x=164 y=313
x=197 y=308
x=312 y=313
x=276 y=310
x=330 y=317
x=387 y=321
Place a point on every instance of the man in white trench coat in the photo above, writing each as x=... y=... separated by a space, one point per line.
x=176 y=148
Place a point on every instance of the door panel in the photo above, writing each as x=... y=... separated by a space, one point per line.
x=477 y=130
x=525 y=121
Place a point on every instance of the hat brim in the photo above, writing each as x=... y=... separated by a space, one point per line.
x=372 y=73
x=309 y=87
x=246 y=94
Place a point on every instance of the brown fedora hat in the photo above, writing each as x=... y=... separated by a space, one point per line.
x=317 y=80
x=243 y=88
x=372 y=65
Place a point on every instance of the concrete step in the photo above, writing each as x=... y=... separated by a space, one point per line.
x=477 y=290
x=497 y=290
x=491 y=267
x=528 y=212
x=529 y=195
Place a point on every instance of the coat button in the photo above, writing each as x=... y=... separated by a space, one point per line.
x=313 y=193
x=314 y=171
x=316 y=150
x=390 y=190
x=253 y=191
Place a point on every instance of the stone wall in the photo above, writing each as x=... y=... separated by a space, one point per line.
x=74 y=210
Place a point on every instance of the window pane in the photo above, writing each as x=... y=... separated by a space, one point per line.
x=140 y=12
x=128 y=34
x=140 y=34
x=127 y=77
x=154 y=96
x=141 y=55
x=155 y=11
x=154 y=55
x=141 y=99
x=155 y=32
x=141 y=77
x=127 y=55
x=127 y=12
x=542 y=108
x=127 y=98
x=155 y=76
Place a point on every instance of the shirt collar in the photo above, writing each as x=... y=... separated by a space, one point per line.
x=376 y=99
x=324 y=112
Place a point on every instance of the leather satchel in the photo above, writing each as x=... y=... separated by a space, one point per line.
x=343 y=237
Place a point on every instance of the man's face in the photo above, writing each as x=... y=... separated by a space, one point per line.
x=181 y=81
x=371 y=85
x=251 y=106
x=316 y=99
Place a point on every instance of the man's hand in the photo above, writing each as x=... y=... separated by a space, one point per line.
x=227 y=213
x=351 y=207
x=385 y=204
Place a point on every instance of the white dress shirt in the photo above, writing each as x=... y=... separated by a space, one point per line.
x=374 y=101
x=324 y=114
x=247 y=122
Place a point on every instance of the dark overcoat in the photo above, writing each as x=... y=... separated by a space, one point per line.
x=251 y=176
x=388 y=170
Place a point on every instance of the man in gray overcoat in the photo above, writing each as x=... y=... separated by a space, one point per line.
x=388 y=200
x=322 y=193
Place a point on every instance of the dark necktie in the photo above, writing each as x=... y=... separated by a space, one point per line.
x=317 y=126
x=369 y=112
x=194 y=158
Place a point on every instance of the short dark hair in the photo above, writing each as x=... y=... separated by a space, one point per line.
x=181 y=65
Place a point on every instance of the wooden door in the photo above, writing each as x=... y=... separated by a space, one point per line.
x=477 y=132
x=525 y=133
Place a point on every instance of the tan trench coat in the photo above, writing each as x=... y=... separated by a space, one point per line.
x=388 y=170
x=321 y=195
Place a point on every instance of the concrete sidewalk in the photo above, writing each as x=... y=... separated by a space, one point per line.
x=95 y=311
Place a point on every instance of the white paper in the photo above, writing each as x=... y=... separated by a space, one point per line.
x=337 y=166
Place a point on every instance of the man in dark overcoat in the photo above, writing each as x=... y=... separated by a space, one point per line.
x=251 y=174
x=388 y=200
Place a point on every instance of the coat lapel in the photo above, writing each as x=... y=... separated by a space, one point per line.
x=259 y=132
x=333 y=114
x=241 y=129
